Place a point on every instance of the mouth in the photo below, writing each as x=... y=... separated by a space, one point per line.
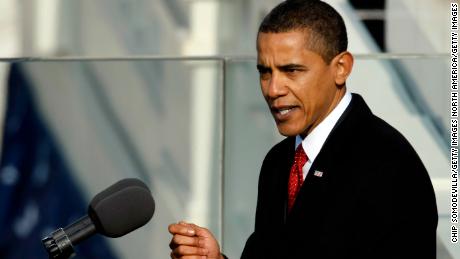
x=283 y=112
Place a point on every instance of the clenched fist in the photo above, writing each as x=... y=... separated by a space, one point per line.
x=190 y=241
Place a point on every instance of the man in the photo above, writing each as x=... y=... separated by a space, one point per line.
x=343 y=184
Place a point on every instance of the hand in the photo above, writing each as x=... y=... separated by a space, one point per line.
x=193 y=242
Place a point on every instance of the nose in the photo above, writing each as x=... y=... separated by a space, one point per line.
x=276 y=86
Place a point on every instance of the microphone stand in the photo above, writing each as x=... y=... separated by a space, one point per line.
x=59 y=244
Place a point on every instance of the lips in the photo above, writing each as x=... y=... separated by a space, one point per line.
x=282 y=112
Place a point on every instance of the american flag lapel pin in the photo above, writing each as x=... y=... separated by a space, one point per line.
x=318 y=173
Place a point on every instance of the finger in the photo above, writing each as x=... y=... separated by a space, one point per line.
x=201 y=232
x=181 y=229
x=189 y=250
x=184 y=240
x=188 y=257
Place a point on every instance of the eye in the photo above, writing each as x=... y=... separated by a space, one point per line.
x=292 y=70
x=264 y=73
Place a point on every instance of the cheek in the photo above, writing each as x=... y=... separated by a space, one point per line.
x=311 y=103
x=305 y=93
x=264 y=90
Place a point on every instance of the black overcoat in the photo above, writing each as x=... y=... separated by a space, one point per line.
x=372 y=199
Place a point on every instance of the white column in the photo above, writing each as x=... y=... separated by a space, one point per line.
x=202 y=41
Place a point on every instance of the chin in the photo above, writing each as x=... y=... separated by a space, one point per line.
x=288 y=132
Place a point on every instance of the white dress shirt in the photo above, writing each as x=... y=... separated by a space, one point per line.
x=314 y=141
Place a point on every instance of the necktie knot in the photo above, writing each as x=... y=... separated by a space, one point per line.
x=296 y=175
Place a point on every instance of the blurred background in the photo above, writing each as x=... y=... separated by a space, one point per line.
x=167 y=91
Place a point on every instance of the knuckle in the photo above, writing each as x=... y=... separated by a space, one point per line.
x=181 y=250
x=175 y=253
x=172 y=244
x=175 y=239
x=171 y=228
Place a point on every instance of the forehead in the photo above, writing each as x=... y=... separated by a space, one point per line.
x=281 y=48
x=284 y=40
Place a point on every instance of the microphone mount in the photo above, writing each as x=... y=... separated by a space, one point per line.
x=58 y=245
x=121 y=198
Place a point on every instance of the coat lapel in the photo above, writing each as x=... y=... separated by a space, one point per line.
x=317 y=186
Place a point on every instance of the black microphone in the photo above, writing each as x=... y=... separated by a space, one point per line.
x=121 y=208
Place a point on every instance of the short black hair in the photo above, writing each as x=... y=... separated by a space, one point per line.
x=325 y=26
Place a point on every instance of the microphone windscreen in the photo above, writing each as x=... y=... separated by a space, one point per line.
x=122 y=208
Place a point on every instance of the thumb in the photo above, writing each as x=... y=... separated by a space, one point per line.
x=199 y=231
x=207 y=241
x=202 y=232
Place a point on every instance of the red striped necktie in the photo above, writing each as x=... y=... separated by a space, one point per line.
x=296 y=175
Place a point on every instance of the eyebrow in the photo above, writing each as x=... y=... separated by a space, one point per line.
x=286 y=67
x=291 y=67
x=261 y=67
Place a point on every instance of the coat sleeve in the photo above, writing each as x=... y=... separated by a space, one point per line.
x=408 y=229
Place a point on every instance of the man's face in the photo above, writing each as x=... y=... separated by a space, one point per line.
x=298 y=85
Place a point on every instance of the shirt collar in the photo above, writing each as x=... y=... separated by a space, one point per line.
x=314 y=141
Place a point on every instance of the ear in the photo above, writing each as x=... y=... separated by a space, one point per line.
x=343 y=64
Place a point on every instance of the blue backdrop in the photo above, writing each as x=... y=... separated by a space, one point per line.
x=37 y=190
